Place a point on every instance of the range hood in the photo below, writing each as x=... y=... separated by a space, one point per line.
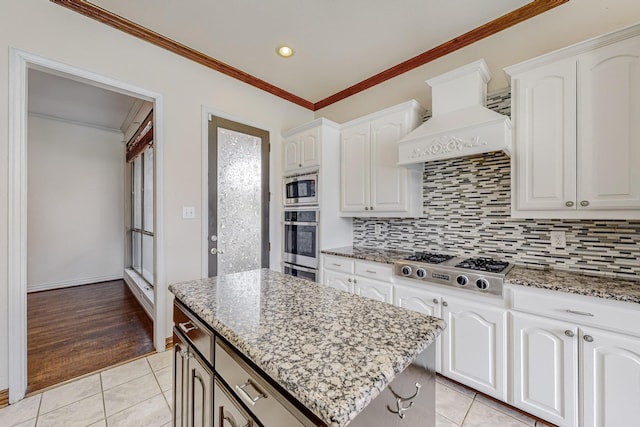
x=461 y=124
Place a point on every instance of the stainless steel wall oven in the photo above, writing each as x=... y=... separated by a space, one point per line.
x=301 y=248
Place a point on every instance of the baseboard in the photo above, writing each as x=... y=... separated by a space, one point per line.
x=69 y=283
x=4 y=398
x=169 y=343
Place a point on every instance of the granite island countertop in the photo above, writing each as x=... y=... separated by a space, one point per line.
x=332 y=351
x=563 y=281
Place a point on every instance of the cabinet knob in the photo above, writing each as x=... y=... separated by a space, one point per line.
x=588 y=338
x=584 y=203
x=435 y=301
x=371 y=208
x=349 y=280
x=366 y=208
x=569 y=333
x=569 y=204
x=299 y=165
x=444 y=303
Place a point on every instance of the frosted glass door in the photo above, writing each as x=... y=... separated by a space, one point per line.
x=238 y=209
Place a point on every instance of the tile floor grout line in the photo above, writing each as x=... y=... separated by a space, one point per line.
x=104 y=405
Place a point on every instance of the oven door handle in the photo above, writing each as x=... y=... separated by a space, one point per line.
x=300 y=223
x=298 y=267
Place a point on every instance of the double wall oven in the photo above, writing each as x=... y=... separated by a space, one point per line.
x=301 y=249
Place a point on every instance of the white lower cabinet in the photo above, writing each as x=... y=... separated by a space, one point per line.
x=611 y=372
x=473 y=345
x=545 y=368
x=374 y=289
x=339 y=280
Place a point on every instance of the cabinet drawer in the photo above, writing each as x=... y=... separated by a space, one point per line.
x=578 y=309
x=198 y=335
x=374 y=270
x=337 y=263
x=268 y=406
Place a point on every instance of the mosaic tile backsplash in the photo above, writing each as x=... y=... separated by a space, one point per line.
x=467 y=205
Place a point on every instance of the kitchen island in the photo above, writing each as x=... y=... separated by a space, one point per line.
x=328 y=354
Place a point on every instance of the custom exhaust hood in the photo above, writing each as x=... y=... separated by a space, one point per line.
x=461 y=124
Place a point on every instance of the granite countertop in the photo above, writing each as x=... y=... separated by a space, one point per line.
x=574 y=283
x=385 y=256
x=331 y=350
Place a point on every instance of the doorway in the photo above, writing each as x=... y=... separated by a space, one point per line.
x=20 y=64
x=238 y=201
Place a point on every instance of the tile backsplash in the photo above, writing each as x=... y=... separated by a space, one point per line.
x=467 y=212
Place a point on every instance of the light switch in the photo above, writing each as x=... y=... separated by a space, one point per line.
x=188 y=212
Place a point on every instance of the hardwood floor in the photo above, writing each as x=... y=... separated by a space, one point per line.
x=82 y=329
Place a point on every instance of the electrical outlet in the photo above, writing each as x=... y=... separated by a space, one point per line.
x=188 y=212
x=558 y=239
x=378 y=229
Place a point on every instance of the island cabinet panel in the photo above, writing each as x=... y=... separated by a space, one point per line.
x=545 y=368
x=473 y=345
x=227 y=413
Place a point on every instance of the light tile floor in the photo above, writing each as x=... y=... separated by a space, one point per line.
x=139 y=394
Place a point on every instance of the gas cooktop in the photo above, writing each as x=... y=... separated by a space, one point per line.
x=483 y=275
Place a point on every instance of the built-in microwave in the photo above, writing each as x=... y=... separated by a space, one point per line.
x=301 y=190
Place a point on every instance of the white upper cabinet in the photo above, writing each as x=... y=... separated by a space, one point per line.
x=372 y=183
x=302 y=151
x=577 y=136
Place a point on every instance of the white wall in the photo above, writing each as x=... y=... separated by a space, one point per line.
x=75 y=222
x=562 y=26
x=44 y=28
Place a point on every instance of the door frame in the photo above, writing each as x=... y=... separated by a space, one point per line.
x=19 y=63
x=206 y=113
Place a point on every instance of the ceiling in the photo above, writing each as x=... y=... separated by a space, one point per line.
x=65 y=98
x=337 y=43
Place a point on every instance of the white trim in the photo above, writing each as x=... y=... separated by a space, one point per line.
x=75 y=122
x=69 y=283
x=207 y=112
x=136 y=283
x=19 y=62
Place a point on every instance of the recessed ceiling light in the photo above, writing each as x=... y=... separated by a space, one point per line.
x=284 y=51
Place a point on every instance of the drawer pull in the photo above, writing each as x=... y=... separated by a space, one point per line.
x=244 y=393
x=185 y=328
x=580 y=313
x=371 y=271
x=337 y=265
x=400 y=400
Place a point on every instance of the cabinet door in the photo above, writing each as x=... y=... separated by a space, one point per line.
x=199 y=392
x=611 y=379
x=180 y=353
x=292 y=155
x=545 y=368
x=227 y=412
x=609 y=127
x=545 y=138
x=380 y=291
x=388 y=180
x=413 y=298
x=337 y=280
x=416 y=299
x=355 y=164
x=473 y=346
x=310 y=148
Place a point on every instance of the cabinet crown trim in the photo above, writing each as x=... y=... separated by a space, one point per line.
x=573 y=50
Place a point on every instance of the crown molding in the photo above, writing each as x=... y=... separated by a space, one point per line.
x=521 y=14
